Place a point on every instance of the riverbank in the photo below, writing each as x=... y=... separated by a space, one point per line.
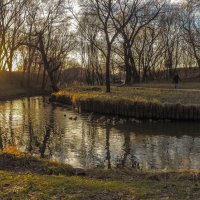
x=14 y=86
x=26 y=177
x=10 y=92
x=139 y=103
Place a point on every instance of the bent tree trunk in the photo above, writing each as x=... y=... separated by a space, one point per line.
x=47 y=65
x=43 y=79
x=53 y=82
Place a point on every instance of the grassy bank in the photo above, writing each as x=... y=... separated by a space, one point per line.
x=11 y=86
x=33 y=186
x=134 y=102
x=26 y=181
x=10 y=91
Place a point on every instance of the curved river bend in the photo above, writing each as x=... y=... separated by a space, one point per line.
x=34 y=126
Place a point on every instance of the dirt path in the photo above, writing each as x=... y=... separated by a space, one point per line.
x=168 y=89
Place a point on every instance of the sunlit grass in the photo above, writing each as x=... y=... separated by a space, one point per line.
x=24 y=186
x=141 y=186
x=13 y=150
x=83 y=93
x=23 y=183
x=11 y=158
x=142 y=95
x=142 y=103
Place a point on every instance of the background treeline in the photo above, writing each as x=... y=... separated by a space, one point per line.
x=35 y=38
x=98 y=41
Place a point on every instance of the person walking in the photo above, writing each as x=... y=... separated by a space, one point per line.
x=176 y=80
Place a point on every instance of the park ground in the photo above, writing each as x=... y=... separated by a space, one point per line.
x=26 y=177
x=163 y=93
x=187 y=93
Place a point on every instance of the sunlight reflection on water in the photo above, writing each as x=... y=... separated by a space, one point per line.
x=42 y=129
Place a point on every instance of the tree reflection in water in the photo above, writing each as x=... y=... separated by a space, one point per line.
x=108 y=156
x=45 y=130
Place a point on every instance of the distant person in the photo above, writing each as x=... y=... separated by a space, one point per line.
x=176 y=80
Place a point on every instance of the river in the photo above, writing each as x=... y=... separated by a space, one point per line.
x=42 y=129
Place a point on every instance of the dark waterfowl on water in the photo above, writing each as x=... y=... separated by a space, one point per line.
x=91 y=117
x=73 y=118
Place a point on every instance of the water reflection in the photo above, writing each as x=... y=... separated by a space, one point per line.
x=42 y=129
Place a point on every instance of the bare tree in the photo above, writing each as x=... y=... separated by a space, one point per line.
x=190 y=25
x=48 y=33
x=11 y=20
x=108 y=12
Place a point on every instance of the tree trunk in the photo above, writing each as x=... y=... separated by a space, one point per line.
x=53 y=82
x=127 y=66
x=10 y=68
x=43 y=79
x=108 y=69
x=46 y=65
x=38 y=75
x=29 y=73
x=135 y=75
x=128 y=74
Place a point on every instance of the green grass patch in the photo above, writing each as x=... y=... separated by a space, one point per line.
x=25 y=186
x=130 y=186
x=22 y=182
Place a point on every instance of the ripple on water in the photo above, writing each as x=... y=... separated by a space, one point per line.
x=44 y=129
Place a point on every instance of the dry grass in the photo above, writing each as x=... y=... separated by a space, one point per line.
x=11 y=159
x=23 y=183
x=141 y=103
x=145 y=95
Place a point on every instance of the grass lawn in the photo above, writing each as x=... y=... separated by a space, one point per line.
x=33 y=186
x=169 y=85
x=25 y=177
x=155 y=95
x=159 y=94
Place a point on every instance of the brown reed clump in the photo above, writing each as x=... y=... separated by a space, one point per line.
x=95 y=100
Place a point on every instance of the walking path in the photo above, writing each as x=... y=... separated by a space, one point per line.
x=168 y=89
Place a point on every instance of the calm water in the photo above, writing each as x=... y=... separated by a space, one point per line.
x=42 y=129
